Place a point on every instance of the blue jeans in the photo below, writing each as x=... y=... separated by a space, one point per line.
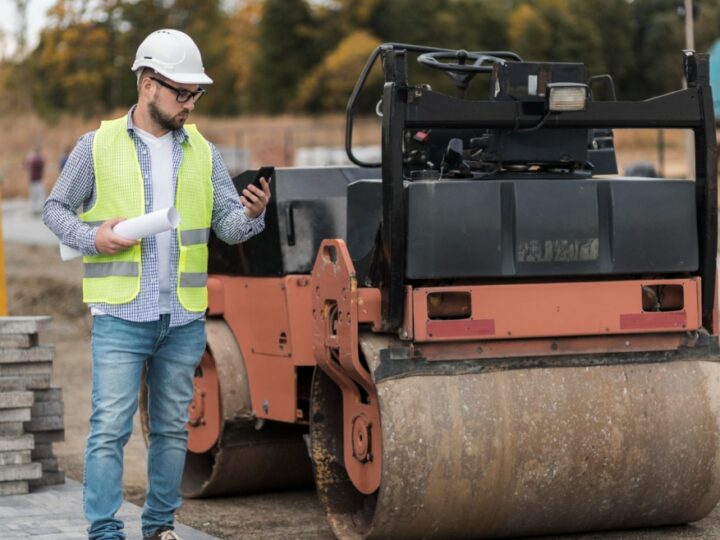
x=121 y=350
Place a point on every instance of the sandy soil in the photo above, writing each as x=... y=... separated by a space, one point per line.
x=38 y=284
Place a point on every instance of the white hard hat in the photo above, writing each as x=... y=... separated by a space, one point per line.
x=174 y=55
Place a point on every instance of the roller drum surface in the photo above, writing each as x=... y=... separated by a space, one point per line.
x=270 y=466
x=531 y=451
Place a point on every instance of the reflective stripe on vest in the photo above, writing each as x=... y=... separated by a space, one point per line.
x=94 y=270
x=119 y=189
x=195 y=236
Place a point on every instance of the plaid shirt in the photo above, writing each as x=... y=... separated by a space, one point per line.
x=75 y=188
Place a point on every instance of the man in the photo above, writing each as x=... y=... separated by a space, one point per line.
x=35 y=167
x=147 y=298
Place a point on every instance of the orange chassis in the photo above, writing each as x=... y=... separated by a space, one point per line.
x=284 y=323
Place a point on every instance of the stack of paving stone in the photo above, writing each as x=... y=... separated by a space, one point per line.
x=31 y=411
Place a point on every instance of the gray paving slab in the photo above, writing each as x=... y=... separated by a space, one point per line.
x=42 y=437
x=9 y=443
x=49 y=464
x=55 y=512
x=24 y=382
x=30 y=324
x=11 y=429
x=44 y=423
x=10 y=473
x=24 y=369
x=46 y=408
x=48 y=478
x=21 y=414
x=12 y=400
x=33 y=354
x=48 y=394
x=19 y=457
x=18 y=487
x=42 y=451
x=18 y=340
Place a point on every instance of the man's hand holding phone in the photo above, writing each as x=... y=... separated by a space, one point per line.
x=256 y=195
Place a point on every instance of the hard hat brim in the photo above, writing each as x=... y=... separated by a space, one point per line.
x=182 y=78
x=186 y=78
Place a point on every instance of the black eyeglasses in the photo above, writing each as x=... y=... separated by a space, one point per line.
x=182 y=96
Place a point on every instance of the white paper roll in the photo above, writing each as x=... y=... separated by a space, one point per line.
x=136 y=228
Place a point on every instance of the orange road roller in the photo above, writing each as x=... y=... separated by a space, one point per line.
x=488 y=333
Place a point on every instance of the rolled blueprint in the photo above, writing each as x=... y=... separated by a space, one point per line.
x=136 y=228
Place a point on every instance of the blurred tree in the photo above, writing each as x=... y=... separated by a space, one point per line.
x=287 y=51
x=479 y=25
x=329 y=85
x=242 y=42
x=72 y=63
x=529 y=32
x=269 y=55
x=707 y=25
x=615 y=27
x=658 y=42
x=555 y=30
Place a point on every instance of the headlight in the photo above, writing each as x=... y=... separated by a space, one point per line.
x=567 y=97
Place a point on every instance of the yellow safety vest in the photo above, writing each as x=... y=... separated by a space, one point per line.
x=119 y=192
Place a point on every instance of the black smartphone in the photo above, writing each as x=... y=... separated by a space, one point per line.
x=265 y=172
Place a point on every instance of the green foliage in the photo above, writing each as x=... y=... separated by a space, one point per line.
x=328 y=86
x=286 y=53
x=272 y=56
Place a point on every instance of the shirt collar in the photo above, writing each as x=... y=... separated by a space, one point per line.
x=180 y=135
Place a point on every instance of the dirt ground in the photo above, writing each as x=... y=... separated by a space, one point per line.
x=39 y=284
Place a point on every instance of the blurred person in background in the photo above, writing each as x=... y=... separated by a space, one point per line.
x=35 y=167
x=148 y=298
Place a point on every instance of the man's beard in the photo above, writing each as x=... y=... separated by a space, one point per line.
x=171 y=123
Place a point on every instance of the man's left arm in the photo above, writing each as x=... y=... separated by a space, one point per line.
x=230 y=220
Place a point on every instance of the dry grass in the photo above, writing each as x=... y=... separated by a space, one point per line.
x=269 y=140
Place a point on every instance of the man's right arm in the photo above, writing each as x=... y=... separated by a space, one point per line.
x=73 y=188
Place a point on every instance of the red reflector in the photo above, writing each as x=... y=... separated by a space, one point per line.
x=645 y=321
x=460 y=328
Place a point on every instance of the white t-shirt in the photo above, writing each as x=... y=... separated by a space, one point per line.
x=161 y=165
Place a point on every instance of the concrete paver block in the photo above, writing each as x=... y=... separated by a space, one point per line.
x=27 y=382
x=48 y=464
x=12 y=443
x=16 y=399
x=42 y=451
x=47 y=408
x=30 y=471
x=11 y=428
x=16 y=457
x=26 y=368
x=48 y=394
x=18 y=487
x=44 y=423
x=33 y=354
x=15 y=415
x=49 y=478
x=18 y=340
x=24 y=325
x=49 y=436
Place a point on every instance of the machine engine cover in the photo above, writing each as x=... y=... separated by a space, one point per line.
x=531 y=228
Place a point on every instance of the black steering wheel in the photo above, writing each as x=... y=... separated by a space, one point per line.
x=439 y=60
x=463 y=65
